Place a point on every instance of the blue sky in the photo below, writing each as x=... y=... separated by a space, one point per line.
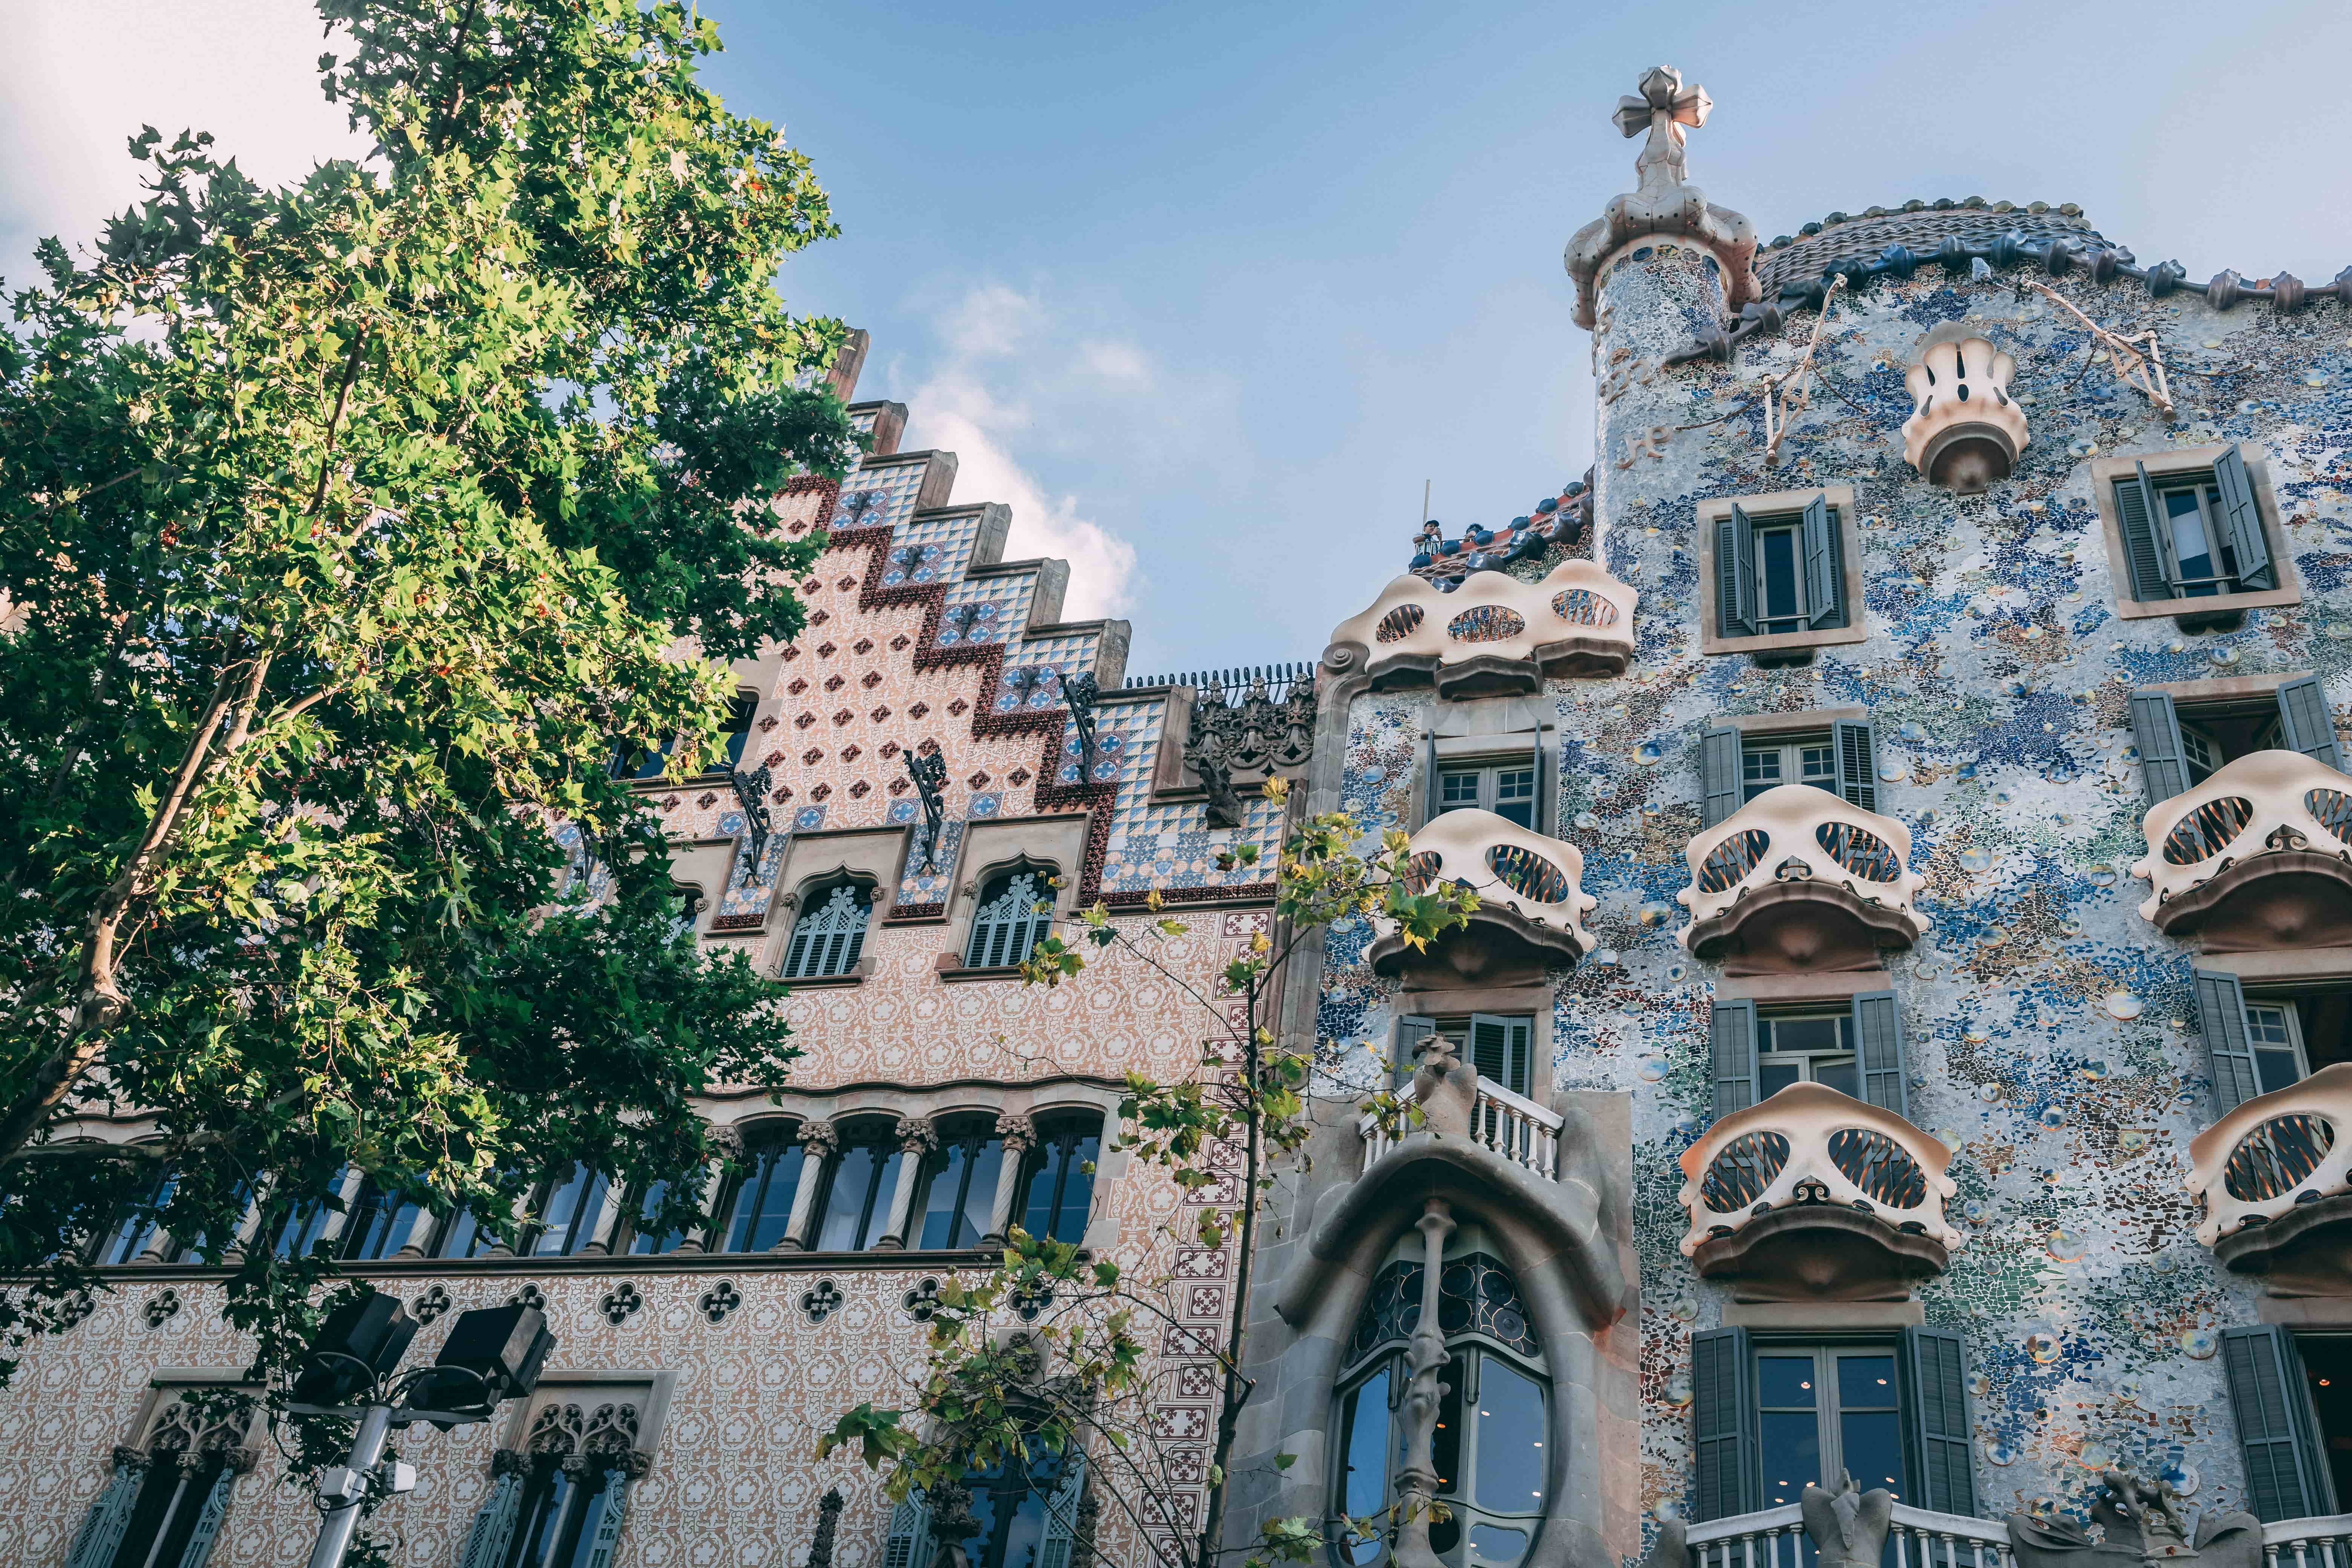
x=1206 y=292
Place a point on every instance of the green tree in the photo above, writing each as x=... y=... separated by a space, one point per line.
x=342 y=529
x=997 y=1389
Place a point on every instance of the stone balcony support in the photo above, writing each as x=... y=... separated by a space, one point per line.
x=1815 y=1195
x=1531 y=897
x=2275 y=1177
x=1800 y=879
x=2258 y=857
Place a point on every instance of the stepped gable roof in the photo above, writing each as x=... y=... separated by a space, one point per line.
x=1921 y=227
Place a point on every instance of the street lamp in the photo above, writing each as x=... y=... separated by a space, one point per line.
x=493 y=1353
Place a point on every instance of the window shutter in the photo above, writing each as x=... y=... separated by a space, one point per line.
x=486 y=1544
x=1430 y=787
x=1719 y=774
x=1856 y=746
x=2156 y=729
x=1735 y=576
x=1878 y=1042
x=1490 y=1047
x=608 y=1522
x=208 y=1523
x=2309 y=723
x=1731 y=1041
x=1519 y=1069
x=910 y=1544
x=109 y=1514
x=2228 y=1056
x=1546 y=787
x=2285 y=1476
x=1413 y=1032
x=1723 y=1424
x=2136 y=522
x=1941 y=1473
x=1824 y=604
x=2241 y=522
x=1062 y=1513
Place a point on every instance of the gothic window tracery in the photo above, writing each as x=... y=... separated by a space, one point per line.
x=1009 y=920
x=830 y=933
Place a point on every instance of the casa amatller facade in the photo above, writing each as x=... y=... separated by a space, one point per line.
x=1894 y=1103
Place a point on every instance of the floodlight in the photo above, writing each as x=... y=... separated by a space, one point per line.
x=361 y=1341
x=492 y=1353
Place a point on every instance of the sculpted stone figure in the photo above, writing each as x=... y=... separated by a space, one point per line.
x=2142 y=1523
x=1848 y=1527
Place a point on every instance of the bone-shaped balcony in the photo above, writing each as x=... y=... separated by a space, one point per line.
x=1797 y=879
x=2258 y=857
x=1531 y=898
x=1814 y=1194
x=2276 y=1175
x=1493 y=634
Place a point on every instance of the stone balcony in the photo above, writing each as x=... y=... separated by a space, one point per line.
x=1493 y=635
x=1798 y=879
x=2276 y=1175
x=2258 y=857
x=1815 y=1195
x=1531 y=898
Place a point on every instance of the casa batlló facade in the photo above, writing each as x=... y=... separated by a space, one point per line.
x=1893 y=1102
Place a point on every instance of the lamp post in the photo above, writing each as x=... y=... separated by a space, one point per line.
x=492 y=1354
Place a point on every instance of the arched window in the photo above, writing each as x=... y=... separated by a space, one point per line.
x=738 y=732
x=133 y=1228
x=165 y=1504
x=1020 y=1514
x=775 y=1163
x=1061 y=1190
x=1493 y=1424
x=644 y=1216
x=570 y=1206
x=830 y=932
x=1014 y=912
x=858 y=1194
x=378 y=1222
x=960 y=1188
x=569 y=1515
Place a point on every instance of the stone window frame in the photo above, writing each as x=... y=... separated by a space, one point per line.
x=813 y=894
x=1466 y=731
x=1841 y=501
x=1054 y=845
x=2104 y=471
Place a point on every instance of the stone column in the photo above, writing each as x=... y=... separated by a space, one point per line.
x=420 y=1233
x=727 y=1147
x=1020 y=1135
x=1417 y=1476
x=347 y=1191
x=821 y=1141
x=600 y=1238
x=917 y=1139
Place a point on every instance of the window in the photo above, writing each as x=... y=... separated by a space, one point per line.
x=1493 y=1423
x=1780 y=572
x=644 y=1240
x=2184 y=741
x=2194 y=533
x=1022 y=1515
x=830 y=932
x=1735 y=768
x=377 y=1224
x=960 y=1188
x=168 y=1515
x=1506 y=789
x=460 y=1234
x=1014 y=912
x=638 y=760
x=857 y=1196
x=1806 y=1048
x=1856 y=1050
x=1770 y=1413
x=303 y=1227
x=762 y=1207
x=737 y=733
x=2289 y=1394
x=569 y=1511
x=571 y=1208
x=2261 y=1044
x=1061 y=1192
x=134 y=1228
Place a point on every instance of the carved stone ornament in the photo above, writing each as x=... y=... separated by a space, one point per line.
x=1965 y=431
x=2142 y=1524
x=1848 y=1526
x=1665 y=204
x=828 y=1522
x=1246 y=731
x=1495 y=634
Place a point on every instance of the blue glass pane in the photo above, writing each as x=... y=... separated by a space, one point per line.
x=940 y=1210
x=1511 y=1466
x=1363 y=1453
x=1785 y=1380
x=763 y=1204
x=1866 y=1382
x=1777 y=561
x=1793 y=1456
x=1493 y=1543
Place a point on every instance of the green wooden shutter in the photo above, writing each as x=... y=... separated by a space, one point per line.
x=2287 y=1476
x=1546 y=787
x=1939 y=1463
x=2229 y=1055
x=208 y=1523
x=1878 y=1042
x=2309 y=723
x=909 y=1544
x=1855 y=746
x=1062 y=1513
x=1413 y=1032
x=1731 y=1042
x=2156 y=729
x=1498 y=1049
x=608 y=1523
x=2135 y=516
x=1825 y=598
x=2242 y=522
x=1521 y=1074
x=1723 y=1425
x=486 y=1544
x=1429 y=785
x=1735 y=576
x=109 y=1514
x=1719 y=774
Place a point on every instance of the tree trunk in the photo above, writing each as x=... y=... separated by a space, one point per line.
x=1237 y=1386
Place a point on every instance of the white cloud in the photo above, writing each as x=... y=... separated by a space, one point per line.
x=79 y=77
x=1003 y=359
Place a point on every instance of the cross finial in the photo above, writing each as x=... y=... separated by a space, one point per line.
x=1663 y=107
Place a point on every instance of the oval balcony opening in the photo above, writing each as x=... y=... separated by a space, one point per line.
x=1800 y=879
x=1583 y=608
x=1881 y=1169
x=1738 y=1178
x=1529 y=874
x=1400 y=623
x=1493 y=635
x=1860 y=851
x=2277 y=1157
x=1486 y=623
